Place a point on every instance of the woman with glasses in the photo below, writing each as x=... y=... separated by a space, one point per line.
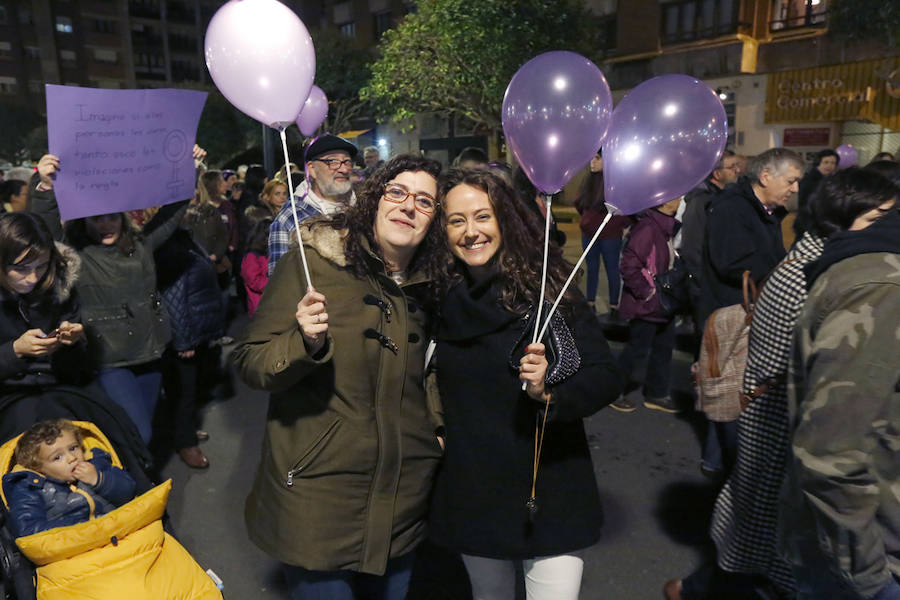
x=517 y=484
x=350 y=446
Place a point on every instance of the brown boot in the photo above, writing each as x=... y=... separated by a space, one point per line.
x=672 y=589
x=194 y=457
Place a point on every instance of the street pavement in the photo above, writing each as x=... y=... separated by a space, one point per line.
x=656 y=502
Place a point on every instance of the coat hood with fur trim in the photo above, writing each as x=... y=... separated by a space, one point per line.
x=62 y=286
x=329 y=242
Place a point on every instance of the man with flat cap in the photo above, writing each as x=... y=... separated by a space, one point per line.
x=329 y=160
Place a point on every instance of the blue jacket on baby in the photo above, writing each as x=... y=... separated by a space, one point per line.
x=37 y=503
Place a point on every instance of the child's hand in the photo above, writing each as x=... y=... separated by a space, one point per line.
x=86 y=473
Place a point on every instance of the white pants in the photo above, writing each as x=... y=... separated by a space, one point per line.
x=546 y=577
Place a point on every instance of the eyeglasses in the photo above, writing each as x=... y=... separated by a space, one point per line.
x=334 y=164
x=398 y=195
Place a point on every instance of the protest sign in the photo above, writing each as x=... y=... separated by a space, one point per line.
x=121 y=150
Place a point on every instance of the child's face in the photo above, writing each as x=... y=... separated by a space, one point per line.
x=59 y=459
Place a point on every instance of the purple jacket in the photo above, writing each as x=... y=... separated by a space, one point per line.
x=646 y=253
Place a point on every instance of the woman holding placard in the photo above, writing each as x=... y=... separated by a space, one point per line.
x=350 y=447
x=126 y=324
x=496 y=501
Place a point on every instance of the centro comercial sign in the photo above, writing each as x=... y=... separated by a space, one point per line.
x=861 y=90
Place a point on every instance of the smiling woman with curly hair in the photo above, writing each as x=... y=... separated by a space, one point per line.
x=495 y=500
x=350 y=446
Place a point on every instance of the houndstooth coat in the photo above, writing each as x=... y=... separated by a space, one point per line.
x=745 y=518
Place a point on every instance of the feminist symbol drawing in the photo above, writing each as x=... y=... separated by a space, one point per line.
x=175 y=147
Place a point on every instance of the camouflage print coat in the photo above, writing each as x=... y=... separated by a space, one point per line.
x=840 y=521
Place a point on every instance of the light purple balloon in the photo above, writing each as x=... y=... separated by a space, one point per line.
x=664 y=138
x=314 y=111
x=261 y=58
x=555 y=114
x=847 y=154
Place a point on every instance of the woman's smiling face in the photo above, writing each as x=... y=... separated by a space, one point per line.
x=472 y=228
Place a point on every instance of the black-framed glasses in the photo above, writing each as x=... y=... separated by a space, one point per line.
x=397 y=194
x=334 y=163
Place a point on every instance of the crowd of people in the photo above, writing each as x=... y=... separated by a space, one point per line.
x=412 y=283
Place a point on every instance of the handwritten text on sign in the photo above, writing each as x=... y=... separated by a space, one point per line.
x=121 y=149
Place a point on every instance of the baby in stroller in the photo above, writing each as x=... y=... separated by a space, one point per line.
x=76 y=519
x=56 y=485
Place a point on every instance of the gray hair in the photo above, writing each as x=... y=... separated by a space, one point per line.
x=370 y=149
x=774 y=160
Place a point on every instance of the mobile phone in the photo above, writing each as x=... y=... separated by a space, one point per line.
x=52 y=334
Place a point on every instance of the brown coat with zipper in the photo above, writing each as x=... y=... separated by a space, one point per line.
x=350 y=451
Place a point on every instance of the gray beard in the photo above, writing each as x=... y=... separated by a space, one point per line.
x=333 y=190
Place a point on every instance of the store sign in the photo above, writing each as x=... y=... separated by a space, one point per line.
x=806 y=136
x=861 y=90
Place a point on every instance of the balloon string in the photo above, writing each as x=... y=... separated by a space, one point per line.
x=548 y=200
x=290 y=183
x=574 y=271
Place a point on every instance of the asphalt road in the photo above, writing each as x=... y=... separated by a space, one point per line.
x=656 y=502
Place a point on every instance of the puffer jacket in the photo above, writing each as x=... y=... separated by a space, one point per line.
x=350 y=450
x=646 y=253
x=38 y=503
x=124 y=318
x=186 y=277
x=58 y=304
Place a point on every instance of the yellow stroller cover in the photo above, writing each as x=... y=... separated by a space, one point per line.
x=122 y=554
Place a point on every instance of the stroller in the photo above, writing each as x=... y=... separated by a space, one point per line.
x=135 y=528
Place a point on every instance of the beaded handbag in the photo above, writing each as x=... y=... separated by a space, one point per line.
x=562 y=354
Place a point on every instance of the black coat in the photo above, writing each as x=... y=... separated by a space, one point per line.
x=187 y=280
x=740 y=235
x=807 y=187
x=478 y=505
x=18 y=315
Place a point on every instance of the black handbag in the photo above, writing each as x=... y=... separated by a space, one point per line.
x=563 y=357
x=673 y=290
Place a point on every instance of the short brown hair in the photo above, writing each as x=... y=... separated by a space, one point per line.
x=28 y=449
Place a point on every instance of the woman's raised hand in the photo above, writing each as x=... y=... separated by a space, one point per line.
x=313 y=320
x=35 y=342
x=533 y=369
x=70 y=333
x=47 y=168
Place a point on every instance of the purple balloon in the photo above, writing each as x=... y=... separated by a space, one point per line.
x=261 y=58
x=555 y=114
x=664 y=138
x=847 y=154
x=314 y=111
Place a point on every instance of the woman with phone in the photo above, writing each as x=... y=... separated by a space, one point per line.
x=41 y=335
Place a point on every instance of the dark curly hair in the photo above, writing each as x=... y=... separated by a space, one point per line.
x=21 y=232
x=359 y=220
x=28 y=448
x=846 y=195
x=520 y=257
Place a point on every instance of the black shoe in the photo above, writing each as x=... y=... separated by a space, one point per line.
x=624 y=404
x=664 y=404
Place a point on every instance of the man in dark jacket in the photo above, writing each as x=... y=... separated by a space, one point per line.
x=693 y=223
x=825 y=163
x=743 y=233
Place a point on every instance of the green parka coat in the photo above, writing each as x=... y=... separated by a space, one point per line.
x=350 y=450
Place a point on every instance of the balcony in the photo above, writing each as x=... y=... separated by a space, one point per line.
x=799 y=14
x=177 y=12
x=692 y=20
x=145 y=9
